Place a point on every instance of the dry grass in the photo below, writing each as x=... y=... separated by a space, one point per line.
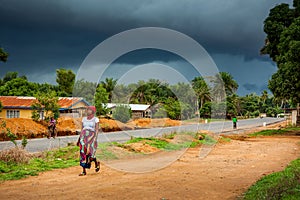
x=15 y=155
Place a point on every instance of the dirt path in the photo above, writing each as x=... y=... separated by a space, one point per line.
x=225 y=173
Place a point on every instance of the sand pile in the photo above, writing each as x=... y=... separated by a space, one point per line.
x=140 y=147
x=108 y=125
x=21 y=126
x=148 y=123
x=65 y=126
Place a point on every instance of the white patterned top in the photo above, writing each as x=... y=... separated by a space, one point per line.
x=89 y=124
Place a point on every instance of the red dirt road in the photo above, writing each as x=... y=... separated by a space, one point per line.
x=225 y=173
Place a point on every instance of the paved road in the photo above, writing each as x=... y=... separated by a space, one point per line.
x=224 y=127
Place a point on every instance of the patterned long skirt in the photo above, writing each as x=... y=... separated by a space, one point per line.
x=88 y=145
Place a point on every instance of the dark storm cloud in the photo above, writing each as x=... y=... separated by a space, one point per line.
x=231 y=27
x=42 y=35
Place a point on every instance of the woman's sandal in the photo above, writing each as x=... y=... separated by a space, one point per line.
x=97 y=168
x=82 y=174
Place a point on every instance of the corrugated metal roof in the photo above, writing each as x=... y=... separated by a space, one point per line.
x=133 y=107
x=68 y=102
x=26 y=102
x=13 y=101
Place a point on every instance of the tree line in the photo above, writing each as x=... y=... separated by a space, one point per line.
x=178 y=101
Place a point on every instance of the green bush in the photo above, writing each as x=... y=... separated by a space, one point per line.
x=24 y=142
x=122 y=113
x=255 y=113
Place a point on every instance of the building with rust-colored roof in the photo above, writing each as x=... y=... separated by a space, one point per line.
x=20 y=107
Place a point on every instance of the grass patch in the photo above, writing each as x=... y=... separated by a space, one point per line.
x=60 y=158
x=202 y=138
x=169 y=136
x=279 y=185
x=166 y=145
x=224 y=139
x=154 y=142
x=289 y=130
x=105 y=152
x=159 y=143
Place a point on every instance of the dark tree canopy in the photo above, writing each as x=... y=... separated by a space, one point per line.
x=65 y=79
x=282 y=27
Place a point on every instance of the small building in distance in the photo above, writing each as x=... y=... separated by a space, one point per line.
x=72 y=106
x=138 y=110
x=20 y=107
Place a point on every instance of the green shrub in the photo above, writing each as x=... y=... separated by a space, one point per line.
x=24 y=142
x=122 y=113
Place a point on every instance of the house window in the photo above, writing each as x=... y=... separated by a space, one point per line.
x=12 y=114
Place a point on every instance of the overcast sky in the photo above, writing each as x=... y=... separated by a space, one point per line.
x=43 y=35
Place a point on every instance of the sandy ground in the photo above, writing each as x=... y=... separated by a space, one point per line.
x=227 y=172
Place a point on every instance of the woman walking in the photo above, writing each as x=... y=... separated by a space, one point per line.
x=87 y=141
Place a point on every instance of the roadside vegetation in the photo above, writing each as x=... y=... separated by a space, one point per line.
x=283 y=131
x=17 y=163
x=280 y=185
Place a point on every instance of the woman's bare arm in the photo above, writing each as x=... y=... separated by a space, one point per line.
x=97 y=128
x=79 y=134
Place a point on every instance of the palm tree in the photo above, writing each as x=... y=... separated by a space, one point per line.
x=109 y=85
x=140 y=93
x=264 y=96
x=202 y=90
x=230 y=84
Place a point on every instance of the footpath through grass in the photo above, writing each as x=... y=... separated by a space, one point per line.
x=279 y=185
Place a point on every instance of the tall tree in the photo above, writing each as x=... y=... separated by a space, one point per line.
x=122 y=93
x=264 y=96
x=280 y=17
x=140 y=93
x=282 y=27
x=10 y=76
x=202 y=90
x=101 y=100
x=185 y=93
x=65 y=79
x=18 y=87
x=85 y=89
x=230 y=84
x=47 y=102
x=109 y=85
